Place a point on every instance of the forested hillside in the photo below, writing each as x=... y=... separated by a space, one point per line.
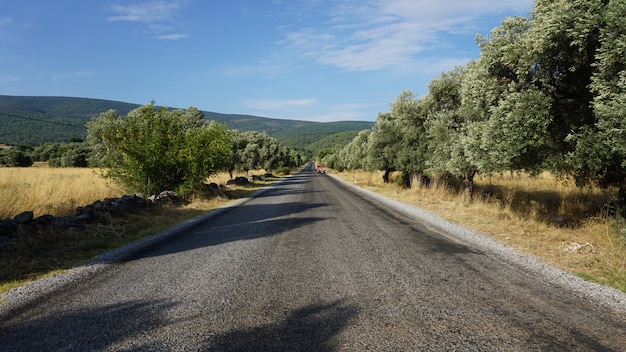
x=39 y=120
x=316 y=136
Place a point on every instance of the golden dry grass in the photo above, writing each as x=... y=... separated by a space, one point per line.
x=58 y=191
x=541 y=216
x=54 y=191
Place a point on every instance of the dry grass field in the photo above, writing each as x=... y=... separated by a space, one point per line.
x=551 y=219
x=56 y=191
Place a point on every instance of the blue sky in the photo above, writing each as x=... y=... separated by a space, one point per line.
x=315 y=60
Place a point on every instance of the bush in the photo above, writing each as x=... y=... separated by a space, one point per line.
x=17 y=158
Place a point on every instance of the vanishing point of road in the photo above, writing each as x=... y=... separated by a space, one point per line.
x=312 y=265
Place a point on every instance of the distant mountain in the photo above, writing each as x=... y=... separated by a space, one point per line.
x=38 y=120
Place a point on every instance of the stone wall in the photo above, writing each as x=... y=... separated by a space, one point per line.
x=100 y=211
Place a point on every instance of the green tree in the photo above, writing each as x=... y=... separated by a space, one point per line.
x=257 y=150
x=16 y=158
x=154 y=149
x=599 y=155
x=412 y=154
x=562 y=47
x=451 y=132
x=354 y=154
x=383 y=144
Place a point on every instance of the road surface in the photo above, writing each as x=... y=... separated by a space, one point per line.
x=311 y=265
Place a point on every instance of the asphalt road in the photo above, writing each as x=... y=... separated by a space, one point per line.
x=311 y=265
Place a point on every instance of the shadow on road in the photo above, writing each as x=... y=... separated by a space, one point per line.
x=310 y=328
x=88 y=329
x=246 y=222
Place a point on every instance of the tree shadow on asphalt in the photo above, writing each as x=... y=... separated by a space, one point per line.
x=87 y=329
x=310 y=328
x=246 y=222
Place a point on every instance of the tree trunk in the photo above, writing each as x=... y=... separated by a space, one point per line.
x=621 y=199
x=468 y=194
x=386 y=176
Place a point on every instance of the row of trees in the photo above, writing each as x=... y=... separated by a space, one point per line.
x=153 y=149
x=547 y=93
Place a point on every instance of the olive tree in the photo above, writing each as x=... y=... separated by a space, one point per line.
x=600 y=148
x=154 y=149
x=353 y=155
x=383 y=145
x=451 y=134
x=257 y=150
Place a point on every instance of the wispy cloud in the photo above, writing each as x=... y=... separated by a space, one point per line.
x=6 y=21
x=380 y=34
x=174 y=36
x=149 y=12
x=161 y=17
x=10 y=79
x=278 y=104
x=74 y=74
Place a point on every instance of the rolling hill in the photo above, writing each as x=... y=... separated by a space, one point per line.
x=34 y=120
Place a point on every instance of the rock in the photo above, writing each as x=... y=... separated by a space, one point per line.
x=23 y=217
x=63 y=222
x=23 y=225
x=214 y=191
x=238 y=181
x=257 y=178
x=169 y=197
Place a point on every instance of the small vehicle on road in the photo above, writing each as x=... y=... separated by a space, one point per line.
x=321 y=168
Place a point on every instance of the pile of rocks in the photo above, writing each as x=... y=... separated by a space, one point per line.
x=242 y=181
x=101 y=211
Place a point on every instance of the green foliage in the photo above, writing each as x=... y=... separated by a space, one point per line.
x=15 y=157
x=324 y=152
x=256 y=150
x=548 y=92
x=314 y=136
x=606 y=140
x=154 y=149
x=354 y=154
x=40 y=120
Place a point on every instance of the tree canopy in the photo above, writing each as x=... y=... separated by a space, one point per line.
x=548 y=92
x=154 y=149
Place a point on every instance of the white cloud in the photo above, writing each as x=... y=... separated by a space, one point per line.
x=74 y=74
x=380 y=34
x=149 y=12
x=174 y=36
x=162 y=17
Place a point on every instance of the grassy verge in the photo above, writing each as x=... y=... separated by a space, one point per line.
x=551 y=219
x=54 y=252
